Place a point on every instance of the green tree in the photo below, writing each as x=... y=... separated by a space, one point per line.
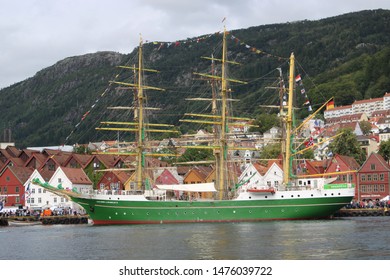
x=271 y=151
x=365 y=126
x=384 y=150
x=193 y=154
x=264 y=122
x=346 y=144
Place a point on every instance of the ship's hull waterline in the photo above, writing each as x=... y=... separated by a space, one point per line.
x=116 y=210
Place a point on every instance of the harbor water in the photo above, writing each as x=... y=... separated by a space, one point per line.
x=352 y=238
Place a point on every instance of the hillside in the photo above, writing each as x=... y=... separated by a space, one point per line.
x=345 y=56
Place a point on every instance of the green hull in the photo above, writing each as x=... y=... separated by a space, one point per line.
x=156 y=212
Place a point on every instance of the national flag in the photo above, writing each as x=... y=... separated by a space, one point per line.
x=330 y=104
x=303 y=91
x=310 y=108
x=298 y=78
x=310 y=142
x=307 y=102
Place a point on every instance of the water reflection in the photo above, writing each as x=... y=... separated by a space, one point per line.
x=348 y=238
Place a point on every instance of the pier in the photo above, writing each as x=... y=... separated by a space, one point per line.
x=362 y=212
x=45 y=220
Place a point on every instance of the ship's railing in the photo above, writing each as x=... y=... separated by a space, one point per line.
x=113 y=192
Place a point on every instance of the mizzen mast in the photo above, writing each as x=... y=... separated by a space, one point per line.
x=287 y=160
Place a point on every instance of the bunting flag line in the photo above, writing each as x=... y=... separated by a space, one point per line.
x=299 y=82
x=254 y=49
x=161 y=45
x=89 y=111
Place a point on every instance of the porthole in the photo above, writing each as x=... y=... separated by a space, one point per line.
x=282 y=196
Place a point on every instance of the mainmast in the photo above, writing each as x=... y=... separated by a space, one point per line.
x=222 y=153
x=220 y=121
x=141 y=128
x=289 y=125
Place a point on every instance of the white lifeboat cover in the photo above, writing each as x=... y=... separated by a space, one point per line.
x=202 y=187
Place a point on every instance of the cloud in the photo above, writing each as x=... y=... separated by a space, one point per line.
x=37 y=34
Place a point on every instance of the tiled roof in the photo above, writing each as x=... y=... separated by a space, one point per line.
x=76 y=175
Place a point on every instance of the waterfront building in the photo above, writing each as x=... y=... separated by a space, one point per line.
x=12 y=190
x=373 y=178
x=342 y=164
x=37 y=198
x=70 y=179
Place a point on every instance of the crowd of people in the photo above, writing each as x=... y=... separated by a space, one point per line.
x=368 y=203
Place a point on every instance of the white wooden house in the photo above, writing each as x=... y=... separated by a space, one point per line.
x=37 y=198
x=71 y=178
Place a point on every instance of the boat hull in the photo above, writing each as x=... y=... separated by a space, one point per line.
x=117 y=210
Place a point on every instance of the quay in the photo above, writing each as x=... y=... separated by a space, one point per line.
x=361 y=212
x=44 y=220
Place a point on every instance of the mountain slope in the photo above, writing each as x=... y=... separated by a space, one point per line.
x=345 y=56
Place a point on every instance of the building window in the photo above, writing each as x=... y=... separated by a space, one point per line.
x=39 y=200
x=32 y=190
x=5 y=190
x=7 y=178
x=382 y=177
x=375 y=177
x=32 y=200
x=363 y=177
x=381 y=188
x=16 y=189
x=363 y=188
x=376 y=188
x=17 y=199
x=373 y=166
x=59 y=180
x=55 y=200
x=39 y=190
x=369 y=177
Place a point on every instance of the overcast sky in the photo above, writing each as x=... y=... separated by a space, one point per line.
x=35 y=34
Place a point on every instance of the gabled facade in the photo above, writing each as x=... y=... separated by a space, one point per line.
x=12 y=180
x=373 y=178
x=113 y=180
x=341 y=163
x=71 y=178
x=38 y=198
x=253 y=175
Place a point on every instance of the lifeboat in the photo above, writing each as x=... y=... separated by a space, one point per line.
x=262 y=190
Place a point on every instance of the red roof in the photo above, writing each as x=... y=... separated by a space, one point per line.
x=76 y=175
x=166 y=178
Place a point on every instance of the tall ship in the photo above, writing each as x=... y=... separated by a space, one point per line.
x=232 y=201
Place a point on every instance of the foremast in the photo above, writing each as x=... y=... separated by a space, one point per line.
x=139 y=126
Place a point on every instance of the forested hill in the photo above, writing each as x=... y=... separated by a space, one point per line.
x=346 y=56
